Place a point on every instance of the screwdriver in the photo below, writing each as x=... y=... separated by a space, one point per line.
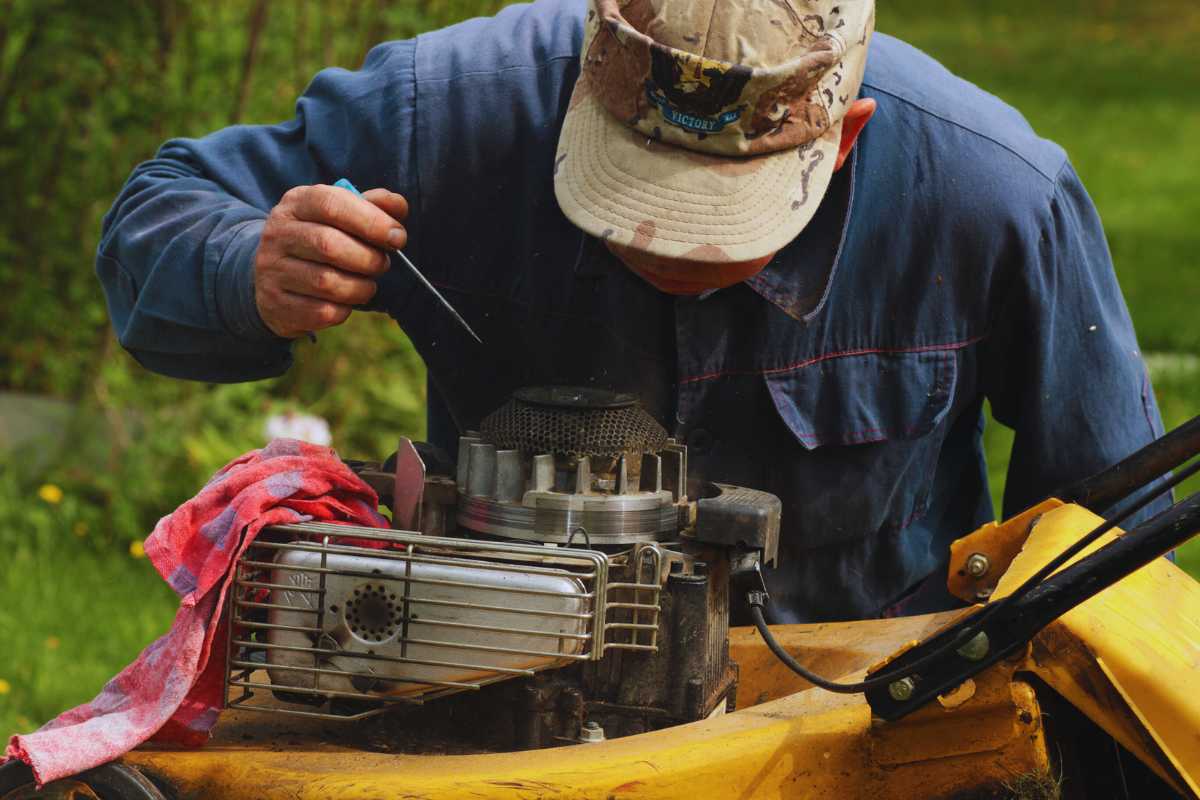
x=348 y=186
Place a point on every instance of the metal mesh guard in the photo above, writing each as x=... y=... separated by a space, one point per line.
x=605 y=432
x=431 y=648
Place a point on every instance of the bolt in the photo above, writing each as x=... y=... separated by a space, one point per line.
x=591 y=733
x=976 y=648
x=983 y=594
x=902 y=689
x=978 y=565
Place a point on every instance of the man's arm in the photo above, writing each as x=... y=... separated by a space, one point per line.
x=1062 y=366
x=178 y=250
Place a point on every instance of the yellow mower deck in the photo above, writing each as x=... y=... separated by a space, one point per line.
x=1127 y=659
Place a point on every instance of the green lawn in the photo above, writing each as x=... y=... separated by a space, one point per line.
x=70 y=620
x=1114 y=83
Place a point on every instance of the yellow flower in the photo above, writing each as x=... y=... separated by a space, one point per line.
x=52 y=642
x=80 y=529
x=51 y=494
x=5 y=686
x=137 y=550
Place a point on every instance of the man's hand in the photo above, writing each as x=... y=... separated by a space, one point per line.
x=320 y=253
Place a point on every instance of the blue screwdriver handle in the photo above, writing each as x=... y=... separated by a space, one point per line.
x=348 y=186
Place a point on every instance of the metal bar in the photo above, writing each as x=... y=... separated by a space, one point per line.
x=645 y=587
x=318 y=715
x=425 y=559
x=321 y=606
x=491 y=649
x=485 y=607
x=229 y=617
x=1102 y=490
x=493 y=629
x=281 y=607
x=270 y=626
x=406 y=612
x=629 y=646
x=393 y=659
x=630 y=626
x=333 y=692
x=282 y=586
x=1009 y=628
x=319 y=671
x=424 y=581
x=355 y=532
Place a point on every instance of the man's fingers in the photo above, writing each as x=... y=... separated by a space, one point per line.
x=332 y=205
x=328 y=245
x=323 y=282
x=393 y=204
x=304 y=314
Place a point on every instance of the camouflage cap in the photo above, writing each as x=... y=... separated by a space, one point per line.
x=708 y=129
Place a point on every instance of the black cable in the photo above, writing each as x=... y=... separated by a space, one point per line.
x=971 y=626
x=798 y=668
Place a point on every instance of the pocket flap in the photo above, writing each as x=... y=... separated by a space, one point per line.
x=865 y=397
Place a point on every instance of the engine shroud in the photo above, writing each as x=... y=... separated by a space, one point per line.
x=561 y=587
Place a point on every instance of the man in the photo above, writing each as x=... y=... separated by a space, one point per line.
x=811 y=265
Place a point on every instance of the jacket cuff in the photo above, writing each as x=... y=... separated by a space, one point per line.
x=235 y=286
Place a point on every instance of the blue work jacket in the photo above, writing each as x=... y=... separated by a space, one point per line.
x=956 y=257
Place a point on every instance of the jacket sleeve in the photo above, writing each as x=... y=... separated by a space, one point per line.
x=177 y=248
x=1062 y=366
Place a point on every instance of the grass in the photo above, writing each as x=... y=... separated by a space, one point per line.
x=70 y=620
x=1114 y=83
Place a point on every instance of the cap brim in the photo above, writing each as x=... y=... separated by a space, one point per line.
x=619 y=185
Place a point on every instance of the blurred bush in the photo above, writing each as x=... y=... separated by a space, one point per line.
x=88 y=90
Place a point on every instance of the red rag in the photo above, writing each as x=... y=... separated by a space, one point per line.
x=172 y=692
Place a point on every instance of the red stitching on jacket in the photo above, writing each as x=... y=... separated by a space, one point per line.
x=828 y=356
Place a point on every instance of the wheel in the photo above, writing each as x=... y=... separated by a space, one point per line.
x=112 y=781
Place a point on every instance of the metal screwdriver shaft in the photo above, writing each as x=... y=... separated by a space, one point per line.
x=347 y=185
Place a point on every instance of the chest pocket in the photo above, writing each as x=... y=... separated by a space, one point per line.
x=863 y=435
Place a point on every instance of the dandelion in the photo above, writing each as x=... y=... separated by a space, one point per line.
x=137 y=549
x=52 y=642
x=5 y=687
x=80 y=529
x=51 y=494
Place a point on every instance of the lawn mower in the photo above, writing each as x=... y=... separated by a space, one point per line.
x=549 y=616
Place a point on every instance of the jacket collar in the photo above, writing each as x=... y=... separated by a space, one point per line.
x=798 y=279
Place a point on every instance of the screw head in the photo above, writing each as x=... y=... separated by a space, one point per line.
x=902 y=689
x=978 y=565
x=976 y=648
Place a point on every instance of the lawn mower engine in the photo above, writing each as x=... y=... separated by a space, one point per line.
x=559 y=583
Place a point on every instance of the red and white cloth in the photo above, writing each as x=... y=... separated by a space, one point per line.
x=172 y=693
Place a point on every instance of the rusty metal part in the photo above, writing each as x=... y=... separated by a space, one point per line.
x=999 y=543
x=596 y=425
x=792 y=743
x=113 y=781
